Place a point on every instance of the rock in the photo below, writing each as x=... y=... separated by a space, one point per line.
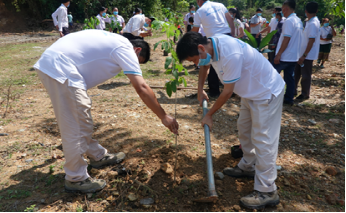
x=115 y=193
x=21 y=130
x=278 y=167
x=29 y=160
x=167 y=168
x=112 y=174
x=89 y=195
x=312 y=121
x=43 y=201
x=334 y=121
x=132 y=197
x=331 y=171
x=219 y=175
x=330 y=199
x=146 y=202
x=308 y=197
x=236 y=208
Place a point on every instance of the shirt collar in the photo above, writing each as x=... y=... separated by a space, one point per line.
x=204 y=3
x=312 y=18
x=63 y=5
x=292 y=14
x=216 y=52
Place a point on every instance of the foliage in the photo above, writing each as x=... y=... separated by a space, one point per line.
x=172 y=64
x=239 y=4
x=265 y=41
x=114 y=24
x=337 y=8
x=91 y=23
x=30 y=209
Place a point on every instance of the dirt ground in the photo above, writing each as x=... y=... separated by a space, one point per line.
x=311 y=150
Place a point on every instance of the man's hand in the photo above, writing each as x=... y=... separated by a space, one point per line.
x=257 y=35
x=171 y=124
x=201 y=96
x=57 y=27
x=301 y=60
x=277 y=59
x=61 y=35
x=207 y=120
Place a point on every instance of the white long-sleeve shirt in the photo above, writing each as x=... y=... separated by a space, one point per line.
x=62 y=20
x=103 y=21
x=135 y=25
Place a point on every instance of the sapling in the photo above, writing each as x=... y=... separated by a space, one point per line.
x=91 y=23
x=265 y=41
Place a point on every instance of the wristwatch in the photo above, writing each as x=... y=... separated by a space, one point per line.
x=305 y=55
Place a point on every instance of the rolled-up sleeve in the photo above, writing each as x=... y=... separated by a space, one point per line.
x=61 y=15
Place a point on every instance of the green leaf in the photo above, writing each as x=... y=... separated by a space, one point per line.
x=185 y=83
x=174 y=86
x=168 y=71
x=186 y=72
x=175 y=74
x=265 y=41
x=169 y=89
x=168 y=62
x=266 y=51
x=179 y=67
x=157 y=44
x=252 y=40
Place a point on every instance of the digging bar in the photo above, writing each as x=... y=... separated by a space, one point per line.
x=212 y=195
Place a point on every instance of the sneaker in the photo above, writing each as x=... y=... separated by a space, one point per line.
x=89 y=185
x=238 y=172
x=259 y=200
x=301 y=97
x=108 y=159
x=288 y=103
x=318 y=61
x=322 y=66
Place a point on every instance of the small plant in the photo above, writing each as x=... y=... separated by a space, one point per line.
x=114 y=24
x=265 y=41
x=30 y=209
x=79 y=208
x=51 y=169
x=91 y=23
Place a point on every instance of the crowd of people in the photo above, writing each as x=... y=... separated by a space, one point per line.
x=211 y=41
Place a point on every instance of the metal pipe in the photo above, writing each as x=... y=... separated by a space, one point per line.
x=211 y=182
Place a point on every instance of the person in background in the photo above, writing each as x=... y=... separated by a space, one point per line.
x=256 y=25
x=103 y=18
x=290 y=48
x=275 y=39
x=327 y=33
x=134 y=27
x=191 y=13
x=303 y=68
x=239 y=26
x=118 y=19
x=217 y=22
x=61 y=23
x=70 y=20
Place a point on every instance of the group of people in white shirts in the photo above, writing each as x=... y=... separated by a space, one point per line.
x=84 y=59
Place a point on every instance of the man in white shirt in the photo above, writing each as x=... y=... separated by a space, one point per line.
x=61 y=23
x=256 y=24
x=215 y=19
x=312 y=43
x=118 y=19
x=289 y=48
x=70 y=67
x=245 y=71
x=134 y=27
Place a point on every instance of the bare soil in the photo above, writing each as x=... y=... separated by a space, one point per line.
x=311 y=150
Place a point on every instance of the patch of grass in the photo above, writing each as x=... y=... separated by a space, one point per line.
x=30 y=208
x=79 y=208
x=17 y=194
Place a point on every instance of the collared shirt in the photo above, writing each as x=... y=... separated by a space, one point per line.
x=70 y=18
x=237 y=62
x=88 y=58
x=62 y=20
x=324 y=32
x=212 y=16
x=103 y=21
x=186 y=18
x=312 y=30
x=274 y=23
x=255 y=20
x=293 y=28
x=135 y=25
x=119 y=19
x=238 y=25
x=201 y=30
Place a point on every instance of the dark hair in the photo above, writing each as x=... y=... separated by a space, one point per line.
x=191 y=19
x=191 y=6
x=101 y=9
x=279 y=14
x=311 y=7
x=290 y=3
x=278 y=9
x=145 y=52
x=188 y=45
x=259 y=10
x=237 y=14
x=64 y=1
x=138 y=10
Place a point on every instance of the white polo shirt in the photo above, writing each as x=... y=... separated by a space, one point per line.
x=62 y=20
x=312 y=30
x=186 y=18
x=324 y=32
x=237 y=62
x=273 y=23
x=135 y=25
x=119 y=19
x=293 y=28
x=103 y=21
x=255 y=20
x=88 y=58
x=212 y=16
x=238 y=25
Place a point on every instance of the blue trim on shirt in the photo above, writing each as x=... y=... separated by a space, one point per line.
x=196 y=25
x=215 y=49
x=287 y=36
x=231 y=81
x=132 y=72
x=292 y=14
x=312 y=18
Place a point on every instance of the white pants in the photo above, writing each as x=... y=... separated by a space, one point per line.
x=259 y=130
x=72 y=111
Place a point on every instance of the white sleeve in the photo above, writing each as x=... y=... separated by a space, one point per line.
x=232 y=68
x=224 y=9
x=313 y=31
x=137 y=26
x=99 y=26
x=127 y=59
x=287 y=29
x=197 y=21
x=54 y=15
x=61 y=15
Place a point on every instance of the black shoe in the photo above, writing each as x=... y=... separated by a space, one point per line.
x=301 y=97
x=288 y=103
x=213 y=95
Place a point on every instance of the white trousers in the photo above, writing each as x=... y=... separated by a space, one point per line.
x=72 y=111
x=259 y=130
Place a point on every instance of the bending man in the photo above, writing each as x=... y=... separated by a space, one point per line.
x=70 y=67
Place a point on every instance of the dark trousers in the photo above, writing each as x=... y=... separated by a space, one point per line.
x=129 y=36
x=288 y=68
x=65 y=31
x=189 y=27
x=213 y=82
x=303 y=73
x=257 y=39
x=271 y=56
